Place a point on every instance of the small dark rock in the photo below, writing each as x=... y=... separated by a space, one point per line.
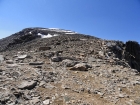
x=44 y=48
x=36 y=63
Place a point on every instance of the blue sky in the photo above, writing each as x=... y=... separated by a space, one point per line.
x=106 y=19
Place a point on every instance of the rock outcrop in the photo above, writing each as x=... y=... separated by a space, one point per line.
x=132 y=54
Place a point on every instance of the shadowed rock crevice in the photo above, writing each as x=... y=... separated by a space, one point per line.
x=132 y=54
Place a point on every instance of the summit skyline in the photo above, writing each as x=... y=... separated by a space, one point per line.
x=112 y=20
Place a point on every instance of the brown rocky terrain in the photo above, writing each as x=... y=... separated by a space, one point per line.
x=41 y=66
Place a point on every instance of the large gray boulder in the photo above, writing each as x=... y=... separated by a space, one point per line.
x=80 y=67
x=69 y=63
x=27 y=85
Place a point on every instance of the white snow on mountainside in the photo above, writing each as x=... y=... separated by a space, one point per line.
x=52 y=30
x=46 y=36
x=56 y=30
x=62 y=30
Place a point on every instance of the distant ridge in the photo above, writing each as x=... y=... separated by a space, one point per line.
x=129 y=51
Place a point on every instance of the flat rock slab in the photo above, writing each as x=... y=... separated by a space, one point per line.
x=91 y=59
x=21 y=57
x=12 y=65
x=46 y=102
x=10 y=62
x=27 y=85
x=34 y=100
x=1 y=58
x=80 y=67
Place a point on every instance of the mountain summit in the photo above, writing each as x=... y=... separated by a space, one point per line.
x=52 y=66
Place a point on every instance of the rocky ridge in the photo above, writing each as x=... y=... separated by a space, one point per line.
x=42 y=66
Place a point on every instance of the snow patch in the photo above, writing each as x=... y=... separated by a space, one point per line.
x=54 y=28
x=44 y=29
x=39 y=34
x=61 y=30
x=49 y=36
x=70 y=33
x=46 y=36
x=30 y=32
x=55 y=35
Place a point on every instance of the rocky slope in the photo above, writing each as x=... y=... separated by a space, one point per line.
x=42 y=66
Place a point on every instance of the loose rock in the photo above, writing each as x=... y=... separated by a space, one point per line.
x=27 y=85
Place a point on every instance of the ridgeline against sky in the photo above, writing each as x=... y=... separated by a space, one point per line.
x=106 y=19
